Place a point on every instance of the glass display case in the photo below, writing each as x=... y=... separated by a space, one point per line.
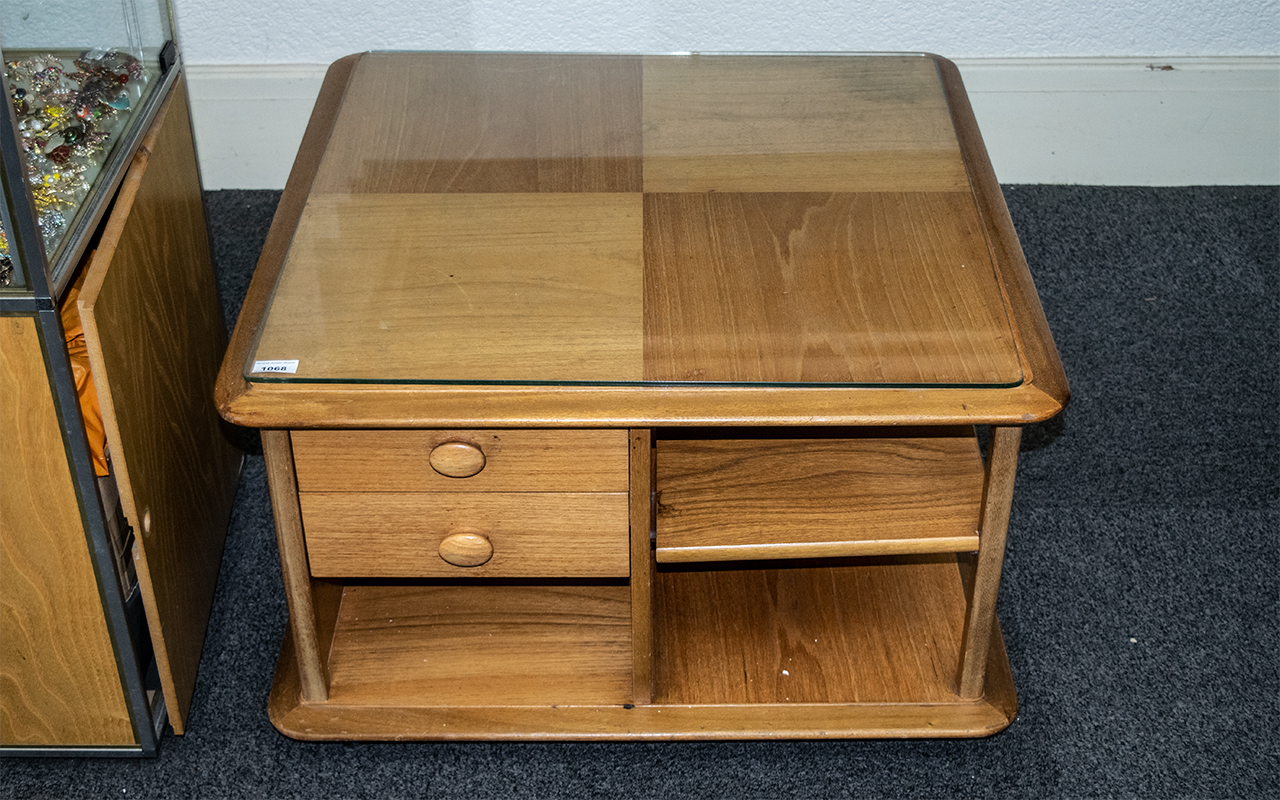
x=111 y=523
x=83 y=79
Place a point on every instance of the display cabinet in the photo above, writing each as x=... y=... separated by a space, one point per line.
x=116 y=478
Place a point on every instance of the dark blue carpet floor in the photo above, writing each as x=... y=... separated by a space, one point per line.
x=1139 y=600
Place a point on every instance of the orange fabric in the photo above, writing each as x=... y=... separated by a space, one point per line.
x=78 y=353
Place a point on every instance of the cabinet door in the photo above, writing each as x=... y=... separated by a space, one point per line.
x=59 y=682
x=156 y=337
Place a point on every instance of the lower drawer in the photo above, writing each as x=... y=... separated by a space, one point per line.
x=410 y=535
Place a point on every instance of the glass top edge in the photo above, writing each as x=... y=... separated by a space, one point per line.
x=330 y=382
x=665 y=54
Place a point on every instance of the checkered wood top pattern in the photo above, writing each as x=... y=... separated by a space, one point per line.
x=583 y=219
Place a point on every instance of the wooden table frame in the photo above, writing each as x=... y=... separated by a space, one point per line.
x=979 y=698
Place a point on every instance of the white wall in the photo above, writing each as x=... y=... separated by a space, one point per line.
x=58 y=24
x=319 y=31
x=1065 y=92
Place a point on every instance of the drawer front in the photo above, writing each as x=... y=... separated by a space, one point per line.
x=410 y=535
x=461 y=460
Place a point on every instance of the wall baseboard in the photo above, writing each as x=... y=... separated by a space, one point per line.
x=249 y=121
x=1100 y=121
x=1129 y=122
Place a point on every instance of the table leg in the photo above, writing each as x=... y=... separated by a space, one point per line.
x=997 y=500
x=642 y=565
x=304 y=593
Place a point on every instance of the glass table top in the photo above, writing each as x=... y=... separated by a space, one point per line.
x=598 y=220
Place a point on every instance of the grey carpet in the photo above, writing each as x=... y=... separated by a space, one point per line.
x=1139 y=601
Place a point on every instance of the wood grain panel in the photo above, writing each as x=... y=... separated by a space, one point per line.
x=877 y=492
x=370 y=534
x=1035 y=340
x=642 y=564
x=877 y=288
x=59 y=681
x=875 y=171
x=284 y=405
x=625 y=406
x=515 y=461
x=462 y=287
x=997 y=501
x=305 y=594
x=155 y=336
x=468 y=122
x=594 y=723
x=883 y=631
x=482 y=645
x=797 y=123
x=366 y=718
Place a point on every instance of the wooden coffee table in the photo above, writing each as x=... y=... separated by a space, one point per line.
x=635 y=397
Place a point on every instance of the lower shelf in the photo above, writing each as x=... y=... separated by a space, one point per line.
x=863 y=649
x=464 y=644
x=875 y=630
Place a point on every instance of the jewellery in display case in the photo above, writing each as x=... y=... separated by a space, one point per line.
x=6 y=262
x=68 y=109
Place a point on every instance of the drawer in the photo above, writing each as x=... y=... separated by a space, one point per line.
x=461 y=460
x=409 y=535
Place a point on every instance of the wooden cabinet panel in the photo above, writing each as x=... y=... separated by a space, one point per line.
x=59 y=681
x=155 y=334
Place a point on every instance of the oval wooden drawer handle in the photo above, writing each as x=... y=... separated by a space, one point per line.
x=457 y=459
x=466 y=549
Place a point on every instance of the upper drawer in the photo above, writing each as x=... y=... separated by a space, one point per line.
x=461 y=460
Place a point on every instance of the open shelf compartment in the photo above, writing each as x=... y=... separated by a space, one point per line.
x=853 y=631
x=724 y=495
x=870 y=630
x=432 y=671
x=475 y=643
